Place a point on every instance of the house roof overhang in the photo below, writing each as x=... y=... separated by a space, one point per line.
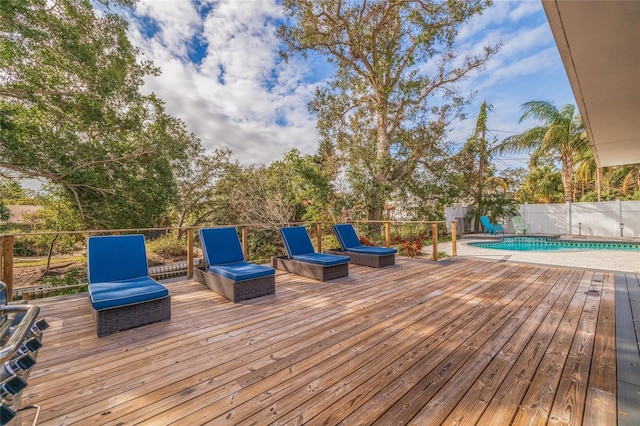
x=599 y=43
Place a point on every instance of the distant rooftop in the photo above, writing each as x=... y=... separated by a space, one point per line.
x=22 y=214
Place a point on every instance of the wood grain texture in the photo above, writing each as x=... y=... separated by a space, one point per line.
x=460 y=341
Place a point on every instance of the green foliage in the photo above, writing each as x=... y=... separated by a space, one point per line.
x=559 y=138
x=605 y=183
x=57 y=213
x=4 y=215
x=263 y=244
x=293 y=189
x=71 y=112
x=71 y=277
x=202 y=190
x=541 y=185
x=41 y=244
x=11 y=193
x=497 y=206
x=167 y=246
x=380 y=111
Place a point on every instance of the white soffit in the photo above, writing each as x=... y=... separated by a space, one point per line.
x=599 y=43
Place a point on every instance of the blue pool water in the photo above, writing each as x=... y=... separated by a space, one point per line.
x=551 y=244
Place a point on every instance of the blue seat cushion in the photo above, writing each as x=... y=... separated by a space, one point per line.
x=241 y=271
x=221 y=245
x=116 y=258
x=322 y=259
x=114 y=294
x=296 y=241
x=347 y=236
x=380 y=251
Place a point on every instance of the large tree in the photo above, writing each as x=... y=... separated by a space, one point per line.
x=394 y=91
x=560 y=137
x=71 y=112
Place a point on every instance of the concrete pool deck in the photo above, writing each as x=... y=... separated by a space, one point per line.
x=605 y=260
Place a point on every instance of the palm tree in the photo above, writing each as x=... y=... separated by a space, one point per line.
x=560 y=136
x=628 y=178
x=543 y=185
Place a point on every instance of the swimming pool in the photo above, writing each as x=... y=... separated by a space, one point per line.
x=553 y=244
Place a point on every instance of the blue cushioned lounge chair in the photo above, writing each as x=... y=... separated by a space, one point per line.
x=490 y=227
x=122 y=293
x=302 y=259
x=227 y=273
x=375 y=257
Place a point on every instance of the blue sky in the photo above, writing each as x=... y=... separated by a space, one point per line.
x=222 y=75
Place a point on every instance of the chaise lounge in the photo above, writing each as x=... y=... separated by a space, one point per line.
x=375 y=257
x=489 y=227
x=121 y=292
x=227 y=273
x=302 y=258
x=519 y=225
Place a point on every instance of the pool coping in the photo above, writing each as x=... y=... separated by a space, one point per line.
x=625 y=261
x=561 y=238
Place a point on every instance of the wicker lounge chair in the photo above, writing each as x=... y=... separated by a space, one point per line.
x=121 y=292
x=519 y=225
x=491 y=227
x=227 y=273
x=302 y=258
x=375 y=257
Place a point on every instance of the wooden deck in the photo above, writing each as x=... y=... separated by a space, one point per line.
x=460 y=341
x=627 y=339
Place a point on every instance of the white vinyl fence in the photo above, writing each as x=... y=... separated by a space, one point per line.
x=605 y=219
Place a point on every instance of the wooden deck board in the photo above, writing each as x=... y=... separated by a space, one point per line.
x=627 y=290
x=458 y=341
x=600 y=406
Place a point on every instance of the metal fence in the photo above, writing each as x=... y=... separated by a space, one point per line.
x=604 y=219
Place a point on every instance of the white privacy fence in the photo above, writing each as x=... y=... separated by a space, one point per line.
x=605 y=219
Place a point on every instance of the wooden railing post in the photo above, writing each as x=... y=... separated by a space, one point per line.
x=190 y=252
x=319 y=234
x=434 y=237
x=387 y=234
x=7 y=264
x=454 y=249
x=245 y=243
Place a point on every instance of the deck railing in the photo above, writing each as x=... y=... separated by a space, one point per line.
x=380 y=232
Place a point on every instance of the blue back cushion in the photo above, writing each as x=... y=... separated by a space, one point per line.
x=116 y=258
x=296 y=240
x=346 y=236
x=221 y=245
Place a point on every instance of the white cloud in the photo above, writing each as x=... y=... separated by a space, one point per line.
x=239 y=95
x=177 y=22
x=528 y=67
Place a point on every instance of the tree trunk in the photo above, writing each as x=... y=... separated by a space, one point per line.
x=383 y=144
x=49 y=254
x=599 y=182
x=567 y=174
x=383 y=155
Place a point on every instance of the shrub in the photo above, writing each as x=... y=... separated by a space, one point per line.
x=168 y=246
